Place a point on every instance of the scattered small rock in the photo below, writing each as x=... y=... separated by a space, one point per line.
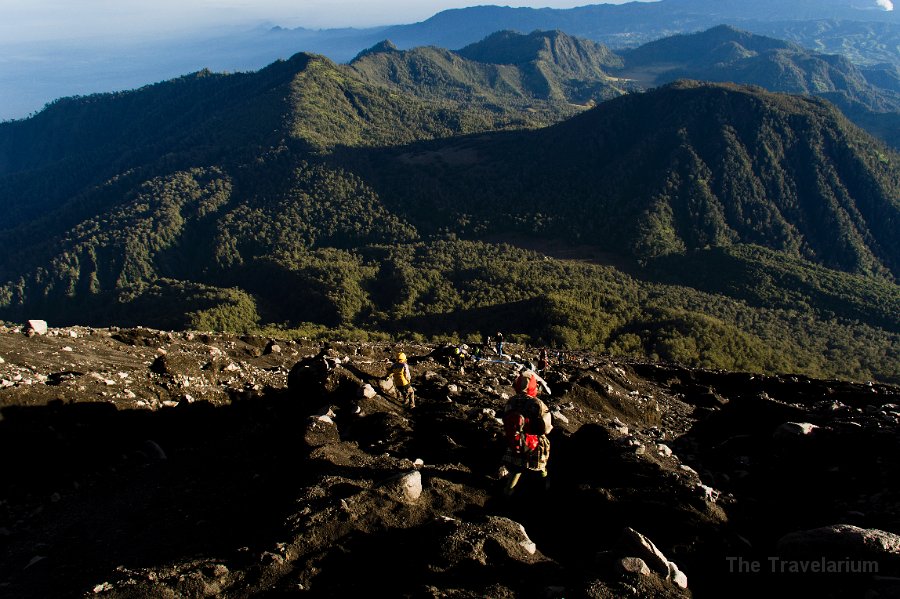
x=102 y=588
x=321 y=430
x=791 y=430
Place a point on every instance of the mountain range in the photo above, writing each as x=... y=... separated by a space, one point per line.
x=39 y=73
x=444 y=194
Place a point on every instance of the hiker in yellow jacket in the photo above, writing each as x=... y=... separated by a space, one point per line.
x=403 y=381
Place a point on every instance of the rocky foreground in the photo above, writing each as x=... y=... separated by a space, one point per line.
x=141 y=463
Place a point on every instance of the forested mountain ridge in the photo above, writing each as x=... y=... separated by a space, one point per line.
x=870 y=97
x=543 y=65
x=357 y=208
x=678 y=168
x=205 y=118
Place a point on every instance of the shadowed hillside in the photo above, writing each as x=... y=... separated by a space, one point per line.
x=153 y=463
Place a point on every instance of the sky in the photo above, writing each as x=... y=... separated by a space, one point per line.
x=45 y=20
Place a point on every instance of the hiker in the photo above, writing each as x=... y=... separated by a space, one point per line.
x=529 y=382
x=460 y=355
x=543 y=361
x=452 y=355
x=498 y=339
x=526 y=424
x=403 y=381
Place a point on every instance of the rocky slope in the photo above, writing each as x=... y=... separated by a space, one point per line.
x=144 y=463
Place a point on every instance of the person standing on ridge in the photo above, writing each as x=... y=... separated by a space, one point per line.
x=403 y=381
x=498 y=338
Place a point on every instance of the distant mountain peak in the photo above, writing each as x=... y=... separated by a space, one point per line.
x=554 y=46
x=379 y=48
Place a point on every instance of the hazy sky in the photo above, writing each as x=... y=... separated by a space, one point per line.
x=22 y=20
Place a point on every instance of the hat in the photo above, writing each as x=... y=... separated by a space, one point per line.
x=401 y=357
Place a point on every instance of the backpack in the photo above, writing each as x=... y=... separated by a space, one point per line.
x=399 y=372
x=515 y=426
x=524 y=423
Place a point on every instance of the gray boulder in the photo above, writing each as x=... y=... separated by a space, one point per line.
x=633 y=565
x=406 y=487
x=36 y=327
x=795 y=430
x=323 y=377
x=841 y=542
x=639 y=545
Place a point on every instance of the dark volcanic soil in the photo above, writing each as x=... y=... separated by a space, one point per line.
x=139 y=463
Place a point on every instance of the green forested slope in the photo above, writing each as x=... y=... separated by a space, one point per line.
x=758 y=228
x=679 y=168
x=870 y=96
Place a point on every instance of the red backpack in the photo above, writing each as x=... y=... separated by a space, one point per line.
x=515 y=426
x=523 y=425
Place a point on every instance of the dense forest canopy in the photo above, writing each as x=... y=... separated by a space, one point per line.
x=428 y=193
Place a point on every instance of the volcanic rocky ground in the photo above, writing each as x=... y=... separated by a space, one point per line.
x=143 y=463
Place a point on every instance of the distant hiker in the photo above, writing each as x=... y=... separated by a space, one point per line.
x=498 y=339
x=543 y=361
x=529 y=382
x=452 y=355
x=460 y=355
x=526 y=424
x=403 y=381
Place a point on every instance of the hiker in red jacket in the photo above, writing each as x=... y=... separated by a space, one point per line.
x=526 y=423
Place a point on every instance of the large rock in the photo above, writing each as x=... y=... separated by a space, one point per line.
x=497 y=541
x=323 y=377
x=176 y=364
x=36 y=327
x=639 y=545
x=386 y=384
x=633 y=565
x=406 y=487
x=676 y=576
x=840 y=542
